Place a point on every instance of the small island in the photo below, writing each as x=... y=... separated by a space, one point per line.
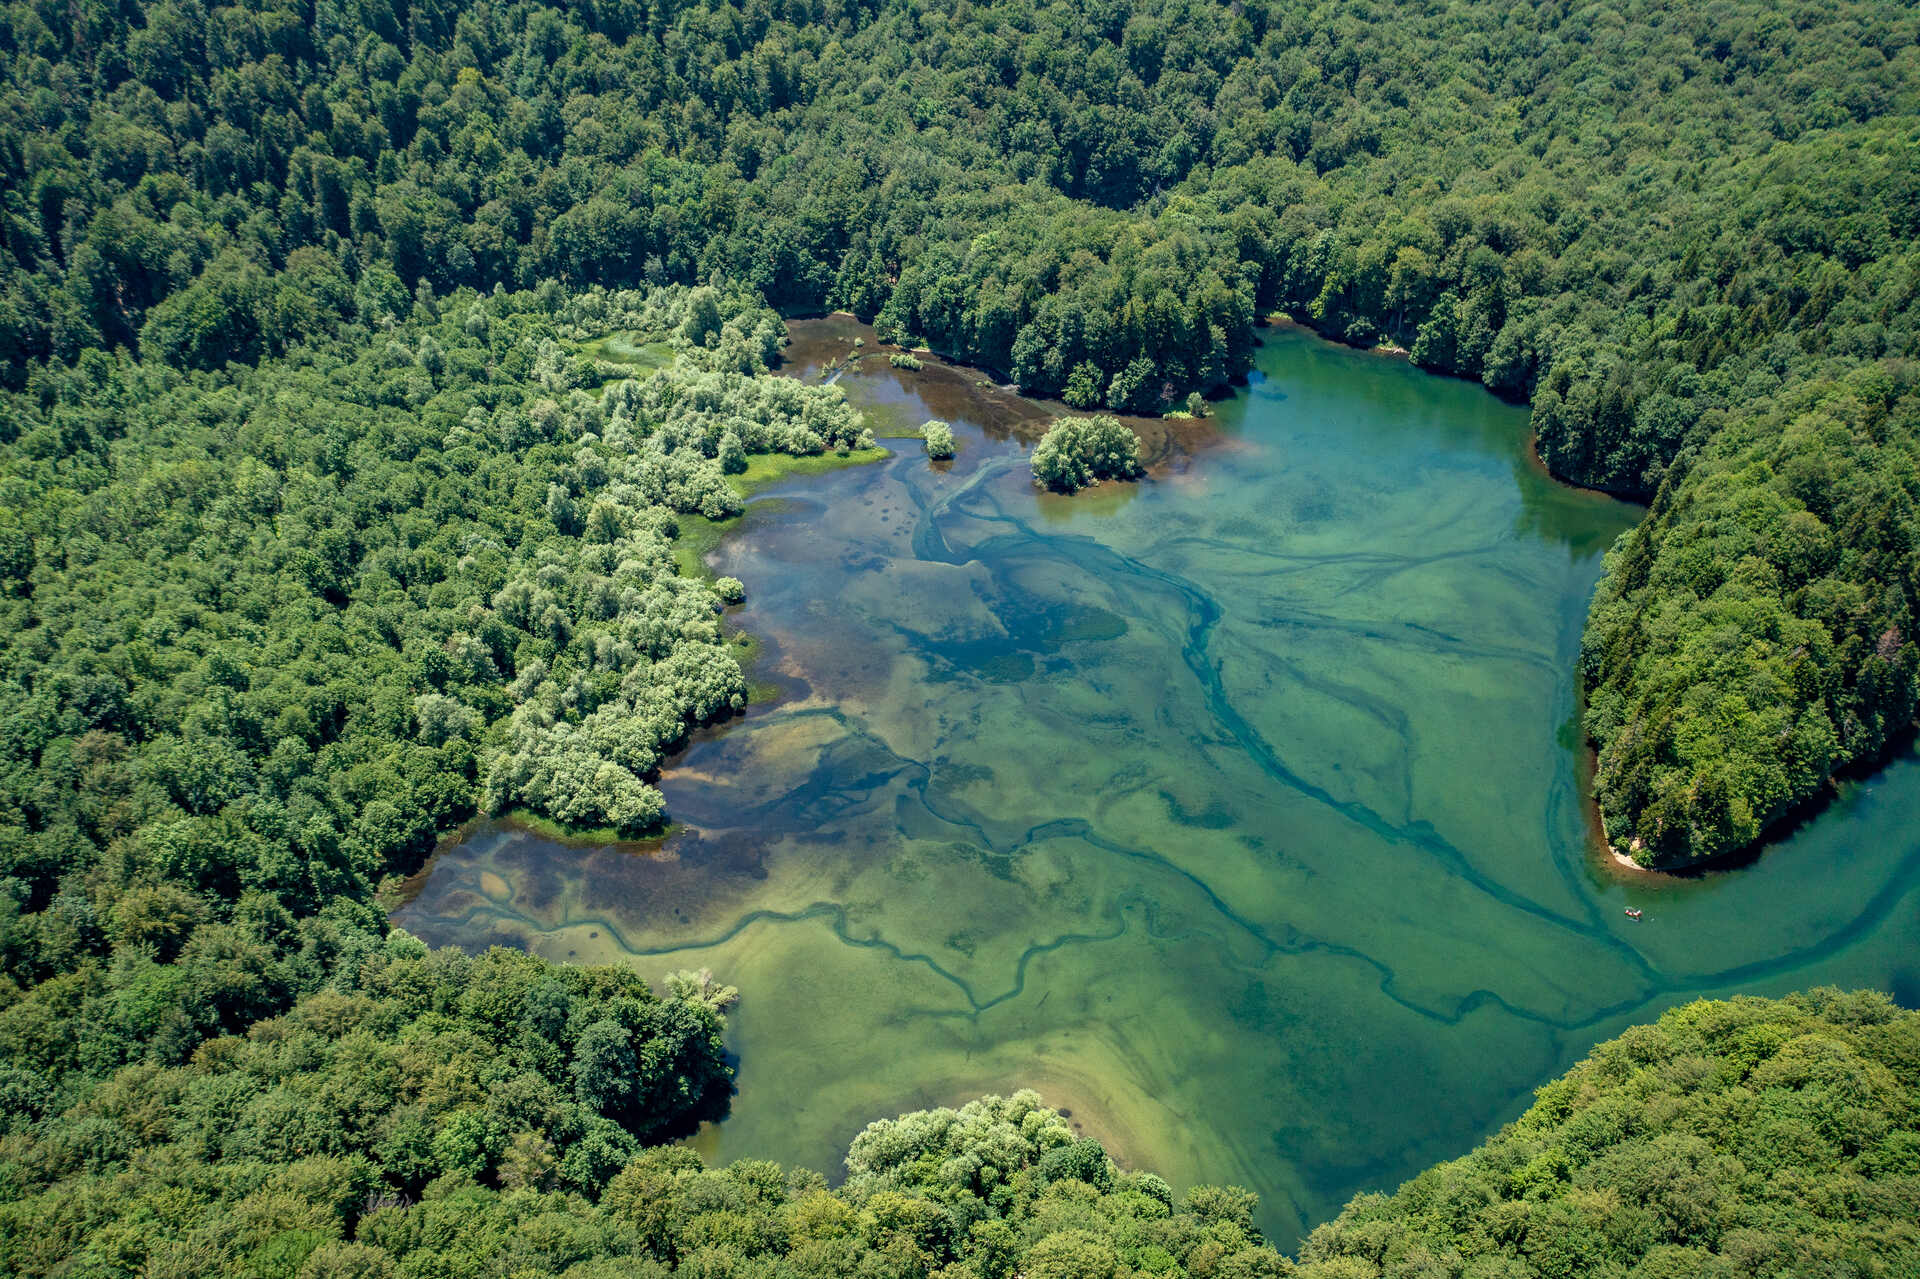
x=1080 y=451
x=939 y=438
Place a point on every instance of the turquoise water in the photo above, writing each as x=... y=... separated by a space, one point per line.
x=1237 y=810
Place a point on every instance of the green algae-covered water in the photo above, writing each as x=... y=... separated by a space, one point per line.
x=1238 y=810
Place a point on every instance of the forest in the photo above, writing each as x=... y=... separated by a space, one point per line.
x=334 y=516
x=308 y=615
x=444 y=1116
x=1657 y=224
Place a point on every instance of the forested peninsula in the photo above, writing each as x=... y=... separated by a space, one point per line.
x=366 y=368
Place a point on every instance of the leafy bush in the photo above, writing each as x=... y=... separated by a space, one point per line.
x=939 y=438
x=1078 y=451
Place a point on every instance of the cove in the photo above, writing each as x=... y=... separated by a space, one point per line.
x=1238 y=811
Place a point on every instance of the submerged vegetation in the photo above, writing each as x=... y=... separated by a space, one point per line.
x=359 y=363
x=1078 y=451
x=1653 y=222
x=445 y=1116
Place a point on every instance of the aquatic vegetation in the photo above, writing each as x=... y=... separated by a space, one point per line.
x=1239 y=813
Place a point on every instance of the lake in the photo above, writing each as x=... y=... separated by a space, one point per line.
x=1238 y=811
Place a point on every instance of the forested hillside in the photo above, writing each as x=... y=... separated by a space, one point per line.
x=412 y=1069
x=360 y=364
x=1649 y=220
x=421 y=1124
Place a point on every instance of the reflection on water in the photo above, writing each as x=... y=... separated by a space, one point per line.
x=1234 y=810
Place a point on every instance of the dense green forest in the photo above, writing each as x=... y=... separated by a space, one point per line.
x=411 y=1070
x=305 y=616
x=1730 y=1138
x=1654 y=222
x=442 y=1116
x=362 y=365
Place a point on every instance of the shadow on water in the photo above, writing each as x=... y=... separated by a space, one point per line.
x=1234 y=810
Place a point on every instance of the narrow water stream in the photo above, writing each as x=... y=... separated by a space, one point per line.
x=1236 y=810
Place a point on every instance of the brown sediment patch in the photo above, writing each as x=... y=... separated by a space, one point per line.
x=1627 y=863
x=519 y=879
x=1168 y=445
x=1606 y=854
x=822 y=347
x=1100 y=498
x=1082 y=1103
x=705 y=1142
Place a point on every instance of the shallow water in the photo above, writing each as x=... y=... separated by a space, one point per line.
x=1237 y=810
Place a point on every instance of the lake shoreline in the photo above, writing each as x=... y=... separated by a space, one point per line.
x=1401 y=354
x=1220 y=882
x=822 y=344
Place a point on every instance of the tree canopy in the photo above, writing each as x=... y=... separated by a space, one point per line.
x=271 y=630
x=444 y=1116
x=1745 y=1137
x=1648 y=220
x=1078 y=451
x=360 y=363
x=938 y=437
